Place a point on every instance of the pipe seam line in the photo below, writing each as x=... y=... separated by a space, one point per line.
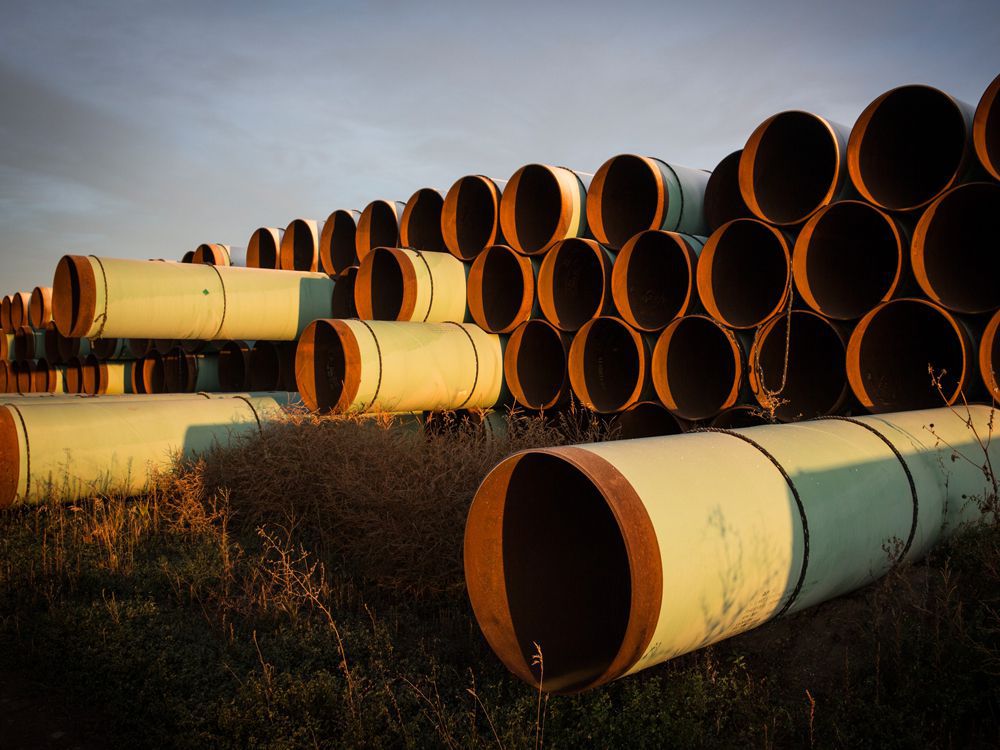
x=378 y=350
x=680 y=191
x=222 y=321
x=260 y=427
x=475 y=354
x=430 y=276
x=27 y=449
x=103 y=317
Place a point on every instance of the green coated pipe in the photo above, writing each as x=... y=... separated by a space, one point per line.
x=401 y=284
x=29 y=343
x=190 y=373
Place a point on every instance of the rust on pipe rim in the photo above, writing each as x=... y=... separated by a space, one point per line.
x=26 y=376
x=188 y=257
x=141 y=347
x=74 y=296
x=892 y=348
x=741 y=415
x=470 y=217
x=536 y=211
x=910 y=145
x=744 y=273
x=6 y=344
x=385 y=287
x=337 y=250
x=626 y=196
x=986 y=129
x=94 y=380
x=420 y=224
x=574 y=283
x=343 y=293
x=272 y=366
x=10 y=458
x=74 y=375
x=501 y=289
x=954 y=248
x=698 y=368
x=5 y=322
x=540 y=515
x=264 y=247
x=378 y=226
x=234 y=366
x=645 y=419
x=40 y=308
x=848 y=258
x=723 y=199
x=20 y=304
x=609 y=365
x=653 y=279
x=299 y=247
x=792 y=165
x=46 y=377
x=989 y=356
x=150 y=374
x=211 y=254
x=13 y=368
x=4 y=375
x=328 y=366
x=535 y=365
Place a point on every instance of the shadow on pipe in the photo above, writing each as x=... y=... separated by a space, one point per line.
x=989 y=357
x=742 y=415
x=420 y=224
x=645 y=419
x=574 y=283
x=272 y=366
x=723 y=199
x=337 y=251
x=234 y=366
x=470 y=217
x=609 y=365
x=343 y=294
x=535 y=365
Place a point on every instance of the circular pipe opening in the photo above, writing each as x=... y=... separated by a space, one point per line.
x=53 y=349
x=263 y=250
x=152 y=375
x=377 y=227
x=986 y=129
x=91 y=380
x=211 y=255
x=74 y=295
x=343 y=294
x=501 y=289
x=653 y=279
x=337 y=250
x=25 y=376
x=299 y=250
x=535 y=365
x=645 y=419
x=629 y=199
x=470 y=217
x=723 y=199
x=989 y=356
x=385 y=287
x=45 y=377
x=20 y=303
x=739 y=416
x=538 y=204
x=234 y=359
x=574 y=283
x=328 y=366
x=179 y=371
x=40 y=307
x=5 y=321
x=608 y=365
x=270 y=365
x=5 y=376
x=74 y=375
x=420 y=227
x=24 y=344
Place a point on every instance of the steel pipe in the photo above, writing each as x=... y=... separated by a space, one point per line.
x=343 y=294
x=741 y=415
x=989 y=356
x=40 y=307
x=337 y=250
x=73 y=378
x=25 y=376
x=723 y=199
x=100 y=377
x=234 y=366
x=574 y=283
x=644 y=419
x=48 y=378
x=52 y=339
x=69 y=347
x=188 y=257
x=216 y=254
x=20 y=303
x=378 y=226
x=542 y=205
x=5 y=322
x=420 y=224
x=299 y=248
x=396 y=283
x=272 y=366
x=112 y=348
x=986 y=129
x=609 y=365
x=28 y=343
x=190 y=373
x=7 y=346
x=470 y=217
x=501 y=289
x=5 y=371
x=535 y=365
x=264 y=248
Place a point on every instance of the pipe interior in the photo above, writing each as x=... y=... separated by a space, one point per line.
x=991 y=134
x=540 y=360
x=175 y=372
x=26 y=377
x=723 y=199
x=151 y=377
x=628 y=199
x=475 y=216
x=566 y=570
x=699 y=368
x=74 y=376
x=423 y=228
x=329 y=364
x=385 y=285
x=343 y=252
x=994 y=386
x=265 y=368
x=69 y=347
x=739 y=416
x=264 y=249
x=912 y=147
x=578 y=283
x=383 y=229
x=658 y=280
x=303 y=246
x=343 y=294
x=502 y=288
x=42 y=376
x=537 y=208
x=645 y=419
x=90 y=376
x=232 y=367
x=611 y=364
x=66 y=292
x=749 y=273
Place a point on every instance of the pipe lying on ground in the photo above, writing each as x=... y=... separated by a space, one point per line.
x=892 y=349
x=190 y=373
x=48 y=378
x=396 y=283
x=378 y=226
x=653 y=279
x=70 y=347
x=111 y=297
x=272 y=366
x=263 y=249
x=574 y=283
x=793 y=164
x=20 y=303
x=645 y=419
x=723 y=199
x=216 y=254
x=7 y=347
x=234 y=366
x=535 y=365
x=112 y=348
x=542 y=205
x=501 y=289
x=617 y=556
x=25 y=376
x=420 y=224
x=741 y=415
x=986 y=129
x=744 y=273
x=910 y=145
x=989 y=356
x=299 y=249
x=337 y=250
x=954 y=249
x=100 y=377
x=73 y=377
x=356 y=366
x=343 y=294
x=40 y=307
x=848 y=258
x=5 y=321
x=631 y=194
x=698 y=368
x=796 y=369
x=609 y=365
x=28 y=343
x=470 y=217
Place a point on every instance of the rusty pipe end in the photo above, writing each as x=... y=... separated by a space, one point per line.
x=74 y=296
x=385 y=287
x=652 y=280
x=337 y=250
x=609 y=365
x=501 y=289
x=574 y=283
x=420 y=224
x=723 y=199
x=299 y=247
x=234 y=366
x=989 y=356
x=535 y=365
x=26 y=376
x=470 y=216
x=211 y=254
x=986 y=129
x=264 y=247
x=19 y=309
x=378 y=226
x=40 y=308
x=540 y=206
x=627 y=196
x=328 y=366
x=5 y=320
x=645 y=419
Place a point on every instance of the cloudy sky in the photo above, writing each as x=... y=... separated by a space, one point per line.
x=142 y=128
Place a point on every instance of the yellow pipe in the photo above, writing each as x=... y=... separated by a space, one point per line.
x=402 y=284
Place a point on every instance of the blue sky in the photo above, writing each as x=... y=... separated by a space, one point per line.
x=140 y=129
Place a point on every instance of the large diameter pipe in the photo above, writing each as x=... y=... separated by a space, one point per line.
x=20 y=303
x=986 y=129
x=744 y=273
x=343 y=293
x=272 y=366
x=793 y=164
x=190 y=373
x=112 y=348
x=542 y=205
x=954 y=249
x=644 y=419
x=653 y=279
x=28 y=343
x=420 y=224
x=989 y=356
x=217 y=254
x=396 y=283
x=723 y=199
x=574 y=283
x=111 y=297
x=894 y=350
x=100 y=377
x=40 y=307
x=337 y=250
x=617 y=556
x=264 y=248
x=5 y=374
x=535 y=365
x=25 y=376
x=470 y=217
x=70 y=347
x=234 y=366
x=52 y=339
x=609 y=365
x=5 y=322
x=73 y=378
x=48 y=378
x=378 y=226
x=741 y=415
x=848 y=258
x=7 y=349
x=299 y=249
x=631 y=194
x=501 y=289
x=357 y=366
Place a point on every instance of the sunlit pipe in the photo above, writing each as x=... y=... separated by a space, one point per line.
x=420 y=224
x=25 y=375
x=470 y=217
x=48 y=378
x=616 y=556
x=20 y=303
x=535 y=365
x=645 y=419
x=111 y=297
x=609 y=365
x=501 y=289
x=894 y=347
x=954 y=249
x=115 y=446
x=40 y=307
x=264 y=247
x=378 y=226
x=986 y=129
x=989 y=356
x=723 y=199
x=849 y=257
x=73 y=377
x=234 y=366
x=653 y=279
x=149 y=374
x=100 y=377
x=12 y=370
x=574 y=283
x=631 y=194
x=391 y=366
x=337 y=250
x=396 y=283
x=343 y=294
x=112 y=348
x=744 y=273
x=5 y=321
x=793 y=164
x=698 y=368
x=542 y=205
x=217 y=254
x=741 y=415
x=190 y=373
x=7 y=350
x=272 y=366
x=796 y=369
x=910 y=145
x=28 y=343
x=299 y=250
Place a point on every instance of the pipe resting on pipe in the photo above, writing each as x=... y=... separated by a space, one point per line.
x=470 y=217
x=986 y=129
x=264 y=248
x=723 y=199
x=501 y=289
x=299 y=249
x=542 y=205
x=40 y=307
x=535 y=365
x=609 y=365
x=378 y=226
x=337 y=251
x=395 y=283
x=574 y=283
x=420 y=224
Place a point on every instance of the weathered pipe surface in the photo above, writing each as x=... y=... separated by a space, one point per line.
x=100 y=377
x=630 y=194
x=378 y=226
x=653 y=279
x=617 y=556
x=234 y=366
x=70 y=347
x=393 y=366
x=609 y=365
x=796 y=366
x=28 y=343
x=343 y=293
x=149 y=374
x=20 y=303
x=25 y=376
x=989 y=356
x=574 y=283
x=470 y=217
x=744 y=273
x=793 y=164
x=535 y=365
x=272 y=366
x=741 y=415
x=849 y=257
x=111 y=297
x=337 y=251
x=645 y=419
x=955 y=250
x=723 y=199
x=190 y=373
x=264 y=248
x=7 y=347
x=217 y=254
x=395 y=283
x=5 y=370
x=542 y=205
x=299 y=249
x=48 y=378
x=52 y=339
x=986 y=129
x=698 y=367
x=894 y=348
x=5 y=322
x=910 y=145
x=73 y=378
x=40 y=307
x=420 y=224
x=501 y=289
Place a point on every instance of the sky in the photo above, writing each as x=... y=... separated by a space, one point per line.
x=142 y=129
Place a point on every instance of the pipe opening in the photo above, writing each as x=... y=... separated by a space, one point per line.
x=153 y=376
x=343 y=294
x=572 y=283
x=262 y=250
x=653 y=280
x=475 y=215
x=989 y=357
x=73 y=295
x=383 y=226
x=535 y=365
x=629 y=198
x=104 y=348
x=45 y=377
x=233 y=358
x=338 y=251
x=502 y=293
x=327 y=367
x=177 y=372
x=40 y=307
x=383 y=287
x=697 y=368
x=723 y=199
x=5 y=321
x=301 y=246
x=645 y=419
x=90 y=376
x=25 y=376
x=739 y=416
x=607 y=365
x=421 y=229
x=986 y=128
x=74 y=375
x=265 y=367
x=537 y=208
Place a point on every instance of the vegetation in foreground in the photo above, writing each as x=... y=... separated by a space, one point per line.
x=305 y=590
